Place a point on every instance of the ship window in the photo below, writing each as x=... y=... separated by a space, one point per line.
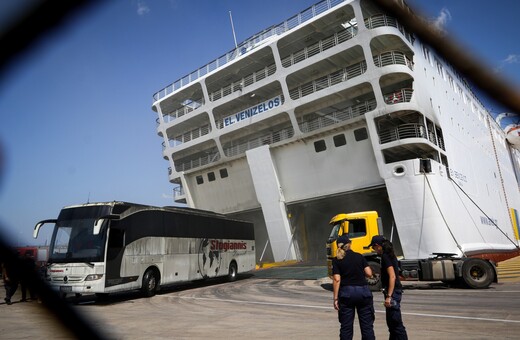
x=360 y=134
x=339 y=140
x=211 y=176
x=223 y=173
x=320 y=146
x=199 y=179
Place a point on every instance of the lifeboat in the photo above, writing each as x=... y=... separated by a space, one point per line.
x=513 y=135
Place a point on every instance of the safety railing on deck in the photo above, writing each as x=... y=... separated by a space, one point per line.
x=393 y=58
x=337 y=116
x=399 y=96
x=403 y=131
x=178 y=191
x=244 y=82
x=381 y=20
x=188 y=136
x=183 y=110
x=231 y=149
x=320 y=46
x=329 y=80
x=183 y=165
x=248 y=45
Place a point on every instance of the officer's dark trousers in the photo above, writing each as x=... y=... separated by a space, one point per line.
x=352 y=298
x=394 y=320
x=10 y=289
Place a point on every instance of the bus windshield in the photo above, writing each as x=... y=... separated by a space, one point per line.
x=74 y=241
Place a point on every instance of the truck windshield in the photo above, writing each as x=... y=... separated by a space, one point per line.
x=74 y=241
x=334 y=233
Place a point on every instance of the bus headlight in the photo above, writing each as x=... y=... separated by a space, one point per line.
x=93 y=277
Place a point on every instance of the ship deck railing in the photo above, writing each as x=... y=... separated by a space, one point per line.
x=232 y=149
x=393 y=58
x=244 y=82
x=188 y=136
x=337 y=116
x=240 y=147
x=320 y=46
x=409 y=130
x=399 y=96
x=178 y=191
x=382 y=20
x=328 y=80
x=384 y=59
x=184 y=109
x=249 y=44
x=195 y=162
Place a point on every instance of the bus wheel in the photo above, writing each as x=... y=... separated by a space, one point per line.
x=232 y=275
x=149 y=283
x=477 y=273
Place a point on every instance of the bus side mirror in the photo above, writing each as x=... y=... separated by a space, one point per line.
x=39 y=225
x=99 y=222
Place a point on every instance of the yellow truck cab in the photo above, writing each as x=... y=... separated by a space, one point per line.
x=359 y=227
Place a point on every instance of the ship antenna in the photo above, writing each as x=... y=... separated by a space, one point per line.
x=233 y=29
x=88 y=198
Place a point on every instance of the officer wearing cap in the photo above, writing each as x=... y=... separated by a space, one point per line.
x=392 y=287
x=351 y=292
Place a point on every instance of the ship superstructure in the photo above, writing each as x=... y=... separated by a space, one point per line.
x=341 y=108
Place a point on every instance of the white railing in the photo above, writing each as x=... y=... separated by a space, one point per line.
x=403 y=131
x=187 y=164
x=337 y=116
x=328 y=80
x=244 y=82
x=393 y=58
x=188 y=136
x=183 y=110
x=320 y=46
x=381 y=20
x=248 y=45
x=410 y=130
x=399 y=96
x=178 y=191
x=231 y=149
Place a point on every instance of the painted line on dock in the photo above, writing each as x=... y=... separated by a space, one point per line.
x=242 y=302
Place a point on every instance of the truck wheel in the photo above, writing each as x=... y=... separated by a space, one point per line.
x=477 y=273
x=232 y=275
x=375 y=283
x=150 y=282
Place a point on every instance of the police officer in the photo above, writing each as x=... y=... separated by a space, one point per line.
x=392 y=287
x=351 y=291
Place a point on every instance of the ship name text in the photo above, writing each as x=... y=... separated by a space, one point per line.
x=253 y=111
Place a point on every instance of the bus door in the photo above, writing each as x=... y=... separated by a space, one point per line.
x=115 y=250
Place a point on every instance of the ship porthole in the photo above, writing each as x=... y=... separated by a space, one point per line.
x=399 y=170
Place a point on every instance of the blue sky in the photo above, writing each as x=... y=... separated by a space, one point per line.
x=77 y=123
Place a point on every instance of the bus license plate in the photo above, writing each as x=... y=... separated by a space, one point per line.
x=66 y=289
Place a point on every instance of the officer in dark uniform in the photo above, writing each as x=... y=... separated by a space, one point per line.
x=351 y=291
x=392 y=287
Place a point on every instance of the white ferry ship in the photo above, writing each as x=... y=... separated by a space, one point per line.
x=340 y=109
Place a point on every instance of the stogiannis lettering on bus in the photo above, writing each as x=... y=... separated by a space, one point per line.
x=217 y=245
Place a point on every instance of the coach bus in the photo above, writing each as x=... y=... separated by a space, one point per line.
x=111 y=247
